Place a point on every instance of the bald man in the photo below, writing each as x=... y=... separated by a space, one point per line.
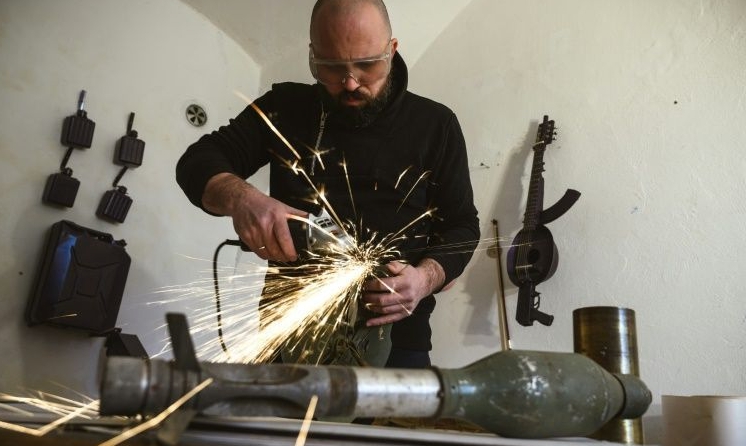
x=404 y=155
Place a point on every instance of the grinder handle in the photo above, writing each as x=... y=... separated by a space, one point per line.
x=298 y=232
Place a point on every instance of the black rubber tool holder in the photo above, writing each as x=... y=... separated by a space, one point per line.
x=77 y=133
x=128 y=153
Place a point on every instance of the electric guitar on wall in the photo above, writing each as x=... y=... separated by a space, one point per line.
x=532 y=257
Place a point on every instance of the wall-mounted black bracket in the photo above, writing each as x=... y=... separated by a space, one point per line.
x=128 y=153
x=115 y=204
x=77 y=133
x=129 y=149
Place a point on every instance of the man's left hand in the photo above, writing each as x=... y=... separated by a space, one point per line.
x=396 y=297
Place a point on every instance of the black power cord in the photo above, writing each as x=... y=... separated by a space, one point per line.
x=218 y=310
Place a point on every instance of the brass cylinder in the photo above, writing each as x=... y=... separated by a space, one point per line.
x=608 y=335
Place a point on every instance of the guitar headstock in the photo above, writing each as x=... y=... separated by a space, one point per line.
x=545 y=134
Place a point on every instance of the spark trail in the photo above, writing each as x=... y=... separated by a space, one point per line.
x=67 y=410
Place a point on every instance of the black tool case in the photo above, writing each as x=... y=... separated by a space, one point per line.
x=81 y=279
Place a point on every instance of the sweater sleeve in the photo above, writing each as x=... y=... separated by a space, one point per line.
x=456 y=225
x=238 y=148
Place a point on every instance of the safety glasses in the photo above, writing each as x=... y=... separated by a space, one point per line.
x=364 y=71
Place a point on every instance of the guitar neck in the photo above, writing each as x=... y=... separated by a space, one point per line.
x=534 y=203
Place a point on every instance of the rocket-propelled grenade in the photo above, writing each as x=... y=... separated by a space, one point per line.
x=513 y=393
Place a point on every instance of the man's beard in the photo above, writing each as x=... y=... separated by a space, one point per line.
x=364 y=114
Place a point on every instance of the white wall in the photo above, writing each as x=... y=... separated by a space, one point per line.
x=151 y=58
x=649 y=98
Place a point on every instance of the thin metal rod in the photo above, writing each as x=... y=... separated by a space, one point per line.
x=501 y=311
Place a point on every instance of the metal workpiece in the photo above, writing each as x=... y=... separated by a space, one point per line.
x=523 y=394
x=134 y=386
x=138 y=386
x=528 y=394
x=397 y=392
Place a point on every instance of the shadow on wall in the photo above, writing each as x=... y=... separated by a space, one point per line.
x=141 y=314
x=481 y=283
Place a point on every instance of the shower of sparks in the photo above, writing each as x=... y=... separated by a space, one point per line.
x=306 y=305
x=310 y=308
x=67 y=409
x=71 y=410
x=158 y=419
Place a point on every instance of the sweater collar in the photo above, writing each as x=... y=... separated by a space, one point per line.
x=401 y=80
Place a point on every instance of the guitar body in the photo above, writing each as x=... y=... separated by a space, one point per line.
x=532 y=257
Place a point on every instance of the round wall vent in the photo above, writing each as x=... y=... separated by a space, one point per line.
x=196 y=115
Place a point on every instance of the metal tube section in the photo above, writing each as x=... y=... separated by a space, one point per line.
x=125 y=390
x=608 y=336
x=397 y=392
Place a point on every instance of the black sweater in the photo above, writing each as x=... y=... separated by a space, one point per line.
x=411 y=159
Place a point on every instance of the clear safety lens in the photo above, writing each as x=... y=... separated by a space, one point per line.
x=365 y=71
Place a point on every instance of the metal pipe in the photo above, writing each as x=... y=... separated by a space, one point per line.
x=608 y=336
x=502 y=313
x=382 y=392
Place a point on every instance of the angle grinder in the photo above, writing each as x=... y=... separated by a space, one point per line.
x=316 y=233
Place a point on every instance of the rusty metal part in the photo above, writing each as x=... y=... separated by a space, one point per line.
x=608 y=335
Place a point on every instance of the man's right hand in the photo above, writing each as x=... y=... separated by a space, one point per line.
x=259 y=220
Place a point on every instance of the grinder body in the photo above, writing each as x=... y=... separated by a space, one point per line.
x=317 y=233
